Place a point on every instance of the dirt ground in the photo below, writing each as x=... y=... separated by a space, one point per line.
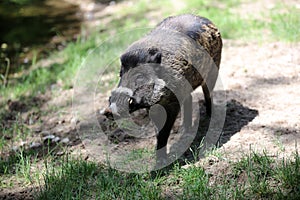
x=262 y=87
x=264 y=78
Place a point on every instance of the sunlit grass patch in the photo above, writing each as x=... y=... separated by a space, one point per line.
x=79 y=179
x=20 y=168
x=285 y=23
x=253 y=176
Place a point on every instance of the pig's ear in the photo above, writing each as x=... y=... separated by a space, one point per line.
x=126 y=62
x=154 y=55
x=129 y=59
x=125 y=59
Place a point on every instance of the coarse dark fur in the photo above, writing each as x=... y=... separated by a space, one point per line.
x=164 y=67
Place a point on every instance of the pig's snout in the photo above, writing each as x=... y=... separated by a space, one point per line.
x=120 y=101
x=114 y=109
x=119 y=110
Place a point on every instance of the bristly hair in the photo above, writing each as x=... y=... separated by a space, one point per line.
x=132 y=58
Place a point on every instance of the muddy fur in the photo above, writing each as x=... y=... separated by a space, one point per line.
x=165 y=66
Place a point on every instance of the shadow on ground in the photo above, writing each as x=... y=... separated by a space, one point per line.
x=237 y=116
x=22 y=194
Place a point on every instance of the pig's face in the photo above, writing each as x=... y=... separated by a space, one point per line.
x=139 y=85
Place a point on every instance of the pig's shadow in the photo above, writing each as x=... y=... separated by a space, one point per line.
x=237 y=116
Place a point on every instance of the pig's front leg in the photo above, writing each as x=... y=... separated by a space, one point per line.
x=164 y=121
x=187 y=113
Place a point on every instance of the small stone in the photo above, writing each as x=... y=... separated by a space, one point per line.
x=65 y=140
x=61 y=121
x=15 y=148
x=35 y=145
x=51 y=139
x=23 y=143
x=60 y=153
x=56 y=139
x=48 y=137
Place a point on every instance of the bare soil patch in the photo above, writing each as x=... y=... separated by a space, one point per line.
x=264 y=78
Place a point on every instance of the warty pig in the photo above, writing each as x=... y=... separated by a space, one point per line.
x=164 y=67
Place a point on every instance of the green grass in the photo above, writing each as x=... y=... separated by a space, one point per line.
x=18 y=168
x=78 y=179
x=15 y=132
x=285 y=25
x=255 y=176
x=282 y=22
